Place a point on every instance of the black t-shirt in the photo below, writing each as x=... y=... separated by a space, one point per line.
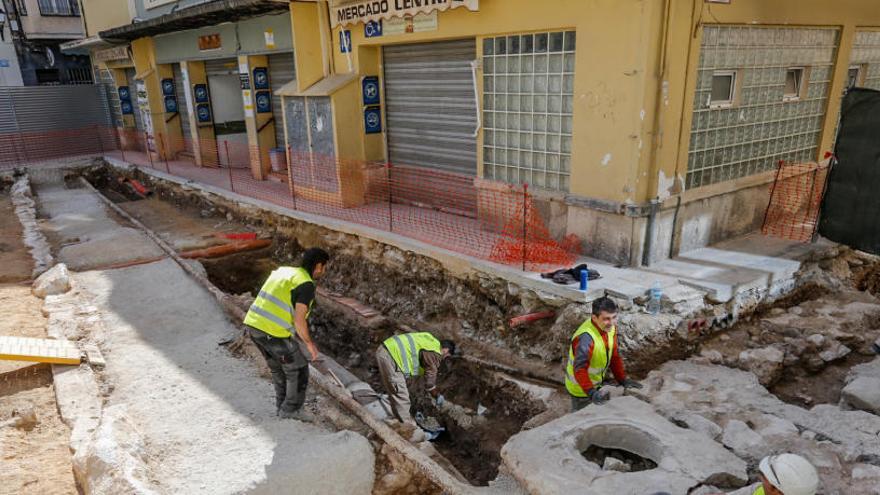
x=303 y=294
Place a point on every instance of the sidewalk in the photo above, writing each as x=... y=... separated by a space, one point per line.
x=720 y=272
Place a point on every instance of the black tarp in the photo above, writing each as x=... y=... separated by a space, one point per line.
x=851 y=208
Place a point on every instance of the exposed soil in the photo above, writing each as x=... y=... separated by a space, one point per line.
x=34 y=461
x=15 y=261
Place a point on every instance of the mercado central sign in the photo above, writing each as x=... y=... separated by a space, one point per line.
x=353 y=12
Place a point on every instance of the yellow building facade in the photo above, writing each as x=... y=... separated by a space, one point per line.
x=643 y=127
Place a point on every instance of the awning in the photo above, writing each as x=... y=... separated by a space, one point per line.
x=347 y=12
x=82 y=46
x=206 y=14
x=324 y=87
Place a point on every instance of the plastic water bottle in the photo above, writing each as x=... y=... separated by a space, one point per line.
x=585 y=277
x=656 y=295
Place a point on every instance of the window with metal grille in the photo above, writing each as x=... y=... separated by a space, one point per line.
x=79 y=75
x=866 y=53
x=58 y=7
x=762 y=126
x=528 y=102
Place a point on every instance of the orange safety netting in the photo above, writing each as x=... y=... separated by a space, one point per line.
x=795 y=200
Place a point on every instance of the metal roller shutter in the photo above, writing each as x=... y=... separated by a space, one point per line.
x=430 y=105
x=138 y=119
x=182 y=107
x=281 y=71
x=221 y=67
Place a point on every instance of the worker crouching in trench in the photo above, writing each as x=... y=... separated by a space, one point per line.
x=410 y=355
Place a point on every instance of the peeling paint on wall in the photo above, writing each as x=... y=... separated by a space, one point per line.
x=642 y=114
x=666 y=93
x=664 y=186
x=606 y=159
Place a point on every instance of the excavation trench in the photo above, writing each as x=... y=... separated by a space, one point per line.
x=482 y=409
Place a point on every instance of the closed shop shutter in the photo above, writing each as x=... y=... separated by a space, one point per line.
x=430 y=105
x=132 y=87
x=221 y=67
x=180 y=91
x=281 y=72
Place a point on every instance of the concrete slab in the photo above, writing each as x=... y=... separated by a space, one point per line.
x=207 y=419
x=87 y=234
x=547 y=460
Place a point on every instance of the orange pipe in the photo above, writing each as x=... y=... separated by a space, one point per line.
x=225 y=249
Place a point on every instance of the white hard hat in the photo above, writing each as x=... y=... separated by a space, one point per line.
x=790 y=473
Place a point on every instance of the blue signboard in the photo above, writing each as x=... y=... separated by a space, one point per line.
x=168 y=87
x=370 y=86
x=372 y=120
x=4 y=62
x=124 y=93
x=264 y=102
x=171 y=104
x=126 y=107
x=345 y=41
x=261 y=78
x=203 y=112
x=373 y=29
x=200 y=92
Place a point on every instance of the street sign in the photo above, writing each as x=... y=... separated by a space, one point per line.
x=200 y=91
x=124 y=93
x=373 y=29
x=168 y=87
x=372 y=120
x=126 y=107
x=261 y=78
x=203 y=112
x=170 y=104
x=245 y=80
x=345 y=41
x=264 y=102
x=370 y=87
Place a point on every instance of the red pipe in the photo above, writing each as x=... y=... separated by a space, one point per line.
x=140 y=188
x=224 y=249
x=239 y=236
x=529 y=318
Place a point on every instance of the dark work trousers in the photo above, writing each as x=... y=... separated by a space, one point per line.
x=290 y=370
x=578 y=403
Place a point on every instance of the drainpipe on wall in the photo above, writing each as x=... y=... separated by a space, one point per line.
x=649 y=234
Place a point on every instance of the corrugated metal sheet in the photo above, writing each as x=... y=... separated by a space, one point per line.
x=281 y=71
x=221 y=66
x=132 y=87
x=52 y=108
x=430 y=105
x=105 y=79
x=180 y=91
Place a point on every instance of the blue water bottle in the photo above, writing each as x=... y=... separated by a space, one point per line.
x=585 y=276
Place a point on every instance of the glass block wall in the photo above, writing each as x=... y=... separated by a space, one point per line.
x=866 y=50
x=760 y=128
x=528 y=86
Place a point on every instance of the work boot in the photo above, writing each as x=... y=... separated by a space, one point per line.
x=301 y=415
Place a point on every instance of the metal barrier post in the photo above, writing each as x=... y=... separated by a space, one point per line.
x=525 y=223
x=390 y=197
x=119 y=140
x=229 y=165
x=163 y=154
x=290 y=175
x=147 y=147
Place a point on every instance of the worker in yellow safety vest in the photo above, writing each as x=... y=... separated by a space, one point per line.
x=281 y=308
x=787 y=474
x=592 y=350
x=410 y=355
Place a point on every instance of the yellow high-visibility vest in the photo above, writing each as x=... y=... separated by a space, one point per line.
x=272 y=310
x=404 y=350
x=599 y=361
